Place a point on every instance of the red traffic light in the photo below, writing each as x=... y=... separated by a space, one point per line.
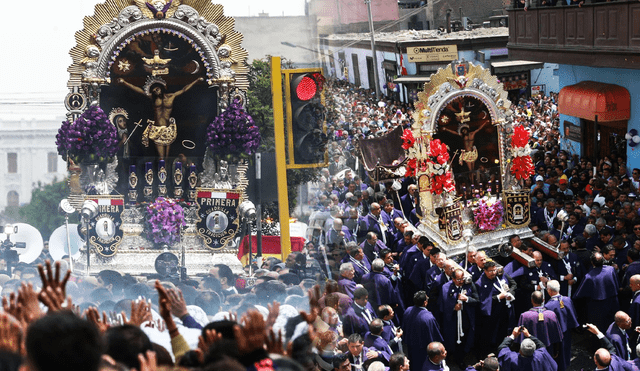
x=306 y=88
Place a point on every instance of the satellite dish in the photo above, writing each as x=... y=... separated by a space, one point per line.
x=58 y=242
x=505 y=250
x=28 y=242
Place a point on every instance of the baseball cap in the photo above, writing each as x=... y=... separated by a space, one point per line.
x=562 y=181
x=539 y=178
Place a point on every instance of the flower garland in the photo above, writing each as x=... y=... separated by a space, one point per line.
x=438 y=160
x=233 y=134
x=90 y=138
x=521 y=164
x=407 y=139
x=488 y=216
x=164 y=219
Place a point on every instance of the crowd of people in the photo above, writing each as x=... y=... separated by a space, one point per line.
x=369 y=292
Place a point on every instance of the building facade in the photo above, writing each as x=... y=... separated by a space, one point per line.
x=597 y=49
x=28 y=153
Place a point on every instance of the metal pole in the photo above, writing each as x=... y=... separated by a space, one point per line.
x=281 y=156
x=86 y=225
x=66 y=223
x=373 y=50
x=259 y=205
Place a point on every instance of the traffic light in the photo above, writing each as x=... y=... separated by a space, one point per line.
x=305 y=116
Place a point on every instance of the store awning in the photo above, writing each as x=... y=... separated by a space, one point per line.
x=588 y=99
x=412 y=79
x=515 y=66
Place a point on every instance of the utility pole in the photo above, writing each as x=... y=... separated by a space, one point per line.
x=373 y=50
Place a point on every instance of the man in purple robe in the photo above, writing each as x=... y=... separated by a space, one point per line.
x=372 y=222
x=532 y=356
x=346 y=283
x=495 y=309
x=600 y=289
x=542 y=323
x=391 y=333
x=420 y=329
x=338 y=235
x=380 y=287
x=562 y=306
x=514 y=268
x=634 y=308
x=476 y=270
x=458 y=302
x=569 y=270
x=358 y=353
x=372 y=246
x=374 y=341
x=535 y=278
x=436 y=354
x=361 y=264
x=618 y=334
x=357 y=318
x=606 y=358
x=418 y=274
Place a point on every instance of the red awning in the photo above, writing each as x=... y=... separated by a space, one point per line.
x=588 y=99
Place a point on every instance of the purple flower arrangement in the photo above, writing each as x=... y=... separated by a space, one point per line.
x=233 y=134
x=90 y=138
x=164 y=219
x=488 y=216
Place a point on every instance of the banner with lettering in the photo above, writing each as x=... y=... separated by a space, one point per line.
x=105 y=232
x=218 y=220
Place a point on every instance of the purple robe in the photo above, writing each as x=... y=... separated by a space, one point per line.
x=632 y=269
x=378 y=344
x=495 y=316
x=381 y=290
x=447 y=301
x=389 y=335
x=514 y=269
x=600 y=288
x=360 y=268
x=531 y=276
x=576 y=270
x=548 y=331
x=420 y=329
x=568 y=320
x=372 y=251
x=634 y=309
x=347 y=286
x=513 y=361
x=355 y=322
x=420 y=272
x=620 y=339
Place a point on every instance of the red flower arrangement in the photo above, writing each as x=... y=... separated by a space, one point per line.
x=411 y=167
x=407 y=139
x=521 y=164
x=442 y=180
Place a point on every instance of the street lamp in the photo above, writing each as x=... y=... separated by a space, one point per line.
x=88 y=212
x=65 y=208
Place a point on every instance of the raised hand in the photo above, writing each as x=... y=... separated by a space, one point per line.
x=204 y=343
x=178 y=304
x=314 y=306
x=148 y=363
x=92 y=315
x=10 y=305
x=274 y=343
x=11 y=334
x=28 y=303
x=54 y=299
x=274 y=311
x=251 y=335
x=164 y=304
x=140 y=313
x=52 y=279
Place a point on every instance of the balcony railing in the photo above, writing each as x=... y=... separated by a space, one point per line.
x=599 y=35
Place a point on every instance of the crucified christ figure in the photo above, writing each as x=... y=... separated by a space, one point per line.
x=162 y=129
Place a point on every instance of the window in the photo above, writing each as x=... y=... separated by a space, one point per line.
x=52 y=162
x=13 y=199
x=12 y=162
x=356 y=70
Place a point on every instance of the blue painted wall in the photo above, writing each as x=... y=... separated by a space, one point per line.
x=545 y=76
x=627 y=78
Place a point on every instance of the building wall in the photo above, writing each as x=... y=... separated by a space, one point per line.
x=629 y=79
x=547 y=76
x=264 y=36
x=32 y=140
x=335 y=16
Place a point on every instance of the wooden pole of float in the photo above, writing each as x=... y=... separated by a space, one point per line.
x=281 y=156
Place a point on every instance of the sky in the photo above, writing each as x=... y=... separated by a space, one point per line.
x=37 y=36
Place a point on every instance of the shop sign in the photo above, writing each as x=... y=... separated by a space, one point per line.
x=436 y=53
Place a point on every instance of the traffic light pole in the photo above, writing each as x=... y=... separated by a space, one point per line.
x=281 y=156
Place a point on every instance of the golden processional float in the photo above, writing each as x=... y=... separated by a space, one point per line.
x=468 y=160
x=157 y=138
